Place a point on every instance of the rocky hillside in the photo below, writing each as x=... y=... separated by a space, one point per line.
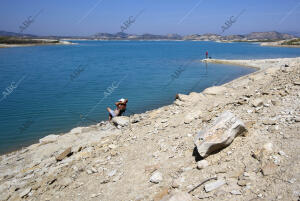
x=255 y=36
x=238 y=141
x=268 y=36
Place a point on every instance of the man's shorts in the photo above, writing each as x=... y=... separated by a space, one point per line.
x=112 y=113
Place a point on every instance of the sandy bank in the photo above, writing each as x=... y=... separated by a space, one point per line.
x=257 y=63
x=102 y=162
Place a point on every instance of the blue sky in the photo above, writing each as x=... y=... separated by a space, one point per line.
x=87 y=17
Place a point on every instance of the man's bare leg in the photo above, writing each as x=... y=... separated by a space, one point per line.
x=110 y=116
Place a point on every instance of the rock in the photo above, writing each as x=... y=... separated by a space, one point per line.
x=66 y=181
x=297 y=119
x=49 y=139
x=268 y=168
x=76 y=130
x=135 y=118
x=222 y=132
x=268 y=147
x=281 y=153
x=178 y=103
x=202 y=164
x=178 y=196
x=175 y=184
x=217 y=90
x=156 y=177
x=112 y=173
x=242 y=182
x=64 y=154
x=182 y=97
x=257 y=102
x=95 y=195
x=122 y=121
x=191 y=116
x=214 y=185
x=269 y=122
x=25 y=192
x=236 y=192
x=297 y=83
x=112 y=146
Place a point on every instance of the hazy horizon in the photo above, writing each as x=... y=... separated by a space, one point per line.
x=79 y=18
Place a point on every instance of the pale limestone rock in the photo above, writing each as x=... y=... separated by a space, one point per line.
x=122 y=120
x=217 y=90
x=257 y=102
x=214 y=185
x=64 y=154
x=222 y=132
x=77 y=130
x=49 y=139
x=268 y=147
x=191 y=116
x=156 y=177
x=236 y=192
x=202 y=164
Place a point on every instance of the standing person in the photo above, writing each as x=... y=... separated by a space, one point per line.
x=206 y=54
x=121 y=107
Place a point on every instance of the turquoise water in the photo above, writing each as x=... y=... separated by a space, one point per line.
x=47 y=89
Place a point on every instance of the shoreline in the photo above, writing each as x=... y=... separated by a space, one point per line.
x=217 y=61
x=253 y=63
x=149 y=138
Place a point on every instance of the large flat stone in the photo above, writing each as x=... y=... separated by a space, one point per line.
x=216 y=90
x=214 y=185
x=222 y=132
x=49 y=139
x=122 y=120
x=64 y=154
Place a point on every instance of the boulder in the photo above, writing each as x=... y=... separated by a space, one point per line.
x=217 y=90
x=257 y=102
x=297 y=83
x=156 y=177
x=64 y=154
x=268 y=168
x=202 y=164
x=49 y=139
x=77 y=130
x=135 y=118
x=122 y=121
x=178 y=196
x=182 y=97
x=222 y=132
x=191 y=116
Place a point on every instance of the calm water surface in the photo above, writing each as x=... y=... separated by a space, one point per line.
x=47 y=89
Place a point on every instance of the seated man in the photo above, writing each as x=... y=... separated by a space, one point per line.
x=121 y=107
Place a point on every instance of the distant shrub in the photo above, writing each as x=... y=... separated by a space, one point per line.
x=292 y=42
x=15 y=40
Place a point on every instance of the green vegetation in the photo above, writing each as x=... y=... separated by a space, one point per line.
x=23 y=41
x=292 y=42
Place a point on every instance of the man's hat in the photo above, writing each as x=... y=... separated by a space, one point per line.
x=122 y=100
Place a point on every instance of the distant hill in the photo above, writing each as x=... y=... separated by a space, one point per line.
x=125 y=36
x=272 y=35
x=254 y=36
x=7 y=33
